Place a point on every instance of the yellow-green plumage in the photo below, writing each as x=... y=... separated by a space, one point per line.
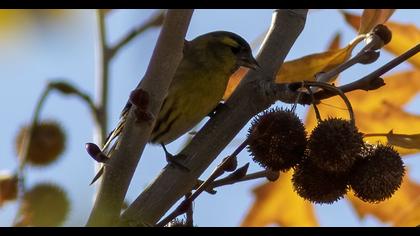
x=197 y=87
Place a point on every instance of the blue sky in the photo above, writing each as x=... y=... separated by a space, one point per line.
x=40 y=55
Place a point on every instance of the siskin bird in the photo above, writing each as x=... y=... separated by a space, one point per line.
x=198 y=85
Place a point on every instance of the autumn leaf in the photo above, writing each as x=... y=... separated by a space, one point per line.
x=373 y=17
x=335 y=42
x=402 y=209
x=277 y=203
x=404 y=36
x=304 y=68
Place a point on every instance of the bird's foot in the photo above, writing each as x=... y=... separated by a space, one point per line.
x=174 y=160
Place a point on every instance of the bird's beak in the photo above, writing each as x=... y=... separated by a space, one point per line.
x=249 y=62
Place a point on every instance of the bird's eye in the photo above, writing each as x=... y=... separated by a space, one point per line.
x=235 y=50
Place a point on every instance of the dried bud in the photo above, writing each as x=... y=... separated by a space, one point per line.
x=277 y=139
x=44 y=205
x=8 y=187
x=231 y=164
x=317 y=185
x=95 y=152
x=272 y=175
x=63 y=87
x=46 y=145
x=335 y=144
x=383 y=33
x=140 y=98
x=378 y=175
x=369 y=57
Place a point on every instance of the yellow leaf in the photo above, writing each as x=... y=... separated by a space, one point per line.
x=377 y=111
x=404 y=140
x=404 y=37
x=372 y=18
x=305 y=68
x=277 y=203
x=402 y=209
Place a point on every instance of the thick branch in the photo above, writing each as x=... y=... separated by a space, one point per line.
x=123 y=162
x=172 y=183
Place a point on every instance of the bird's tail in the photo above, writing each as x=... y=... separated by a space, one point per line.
x=109 y=145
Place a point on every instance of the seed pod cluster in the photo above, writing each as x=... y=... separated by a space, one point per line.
x=331 y=161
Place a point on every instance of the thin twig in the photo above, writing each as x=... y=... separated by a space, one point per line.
x=376 y=135
x=318 y=115
x=334 y=89
x=154 y=21
x=218 y=171
x=228 y=180
x=190 y=219
x=369 y=82
x=24 y=150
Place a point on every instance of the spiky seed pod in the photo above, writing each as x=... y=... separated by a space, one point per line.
x=45 y=205
x=378 y=175
x=277 y=139
x=47 y=143
x=8 y=188
x=335 y=144
x=317 y=185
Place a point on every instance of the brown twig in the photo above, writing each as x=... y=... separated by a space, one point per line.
x=232 y=179
x=371 y=81
x=154 y=21
x=318 y=115
x=218 y=171
x=336 y=90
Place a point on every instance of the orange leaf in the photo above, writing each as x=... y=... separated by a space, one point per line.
x=335 y=42
x=402 y=209
x=277 y=203
x=234 y=81
x=377 y=111
x=372 y=18
x=404 y=37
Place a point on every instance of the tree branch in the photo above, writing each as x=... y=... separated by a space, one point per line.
x=369 y=82
x=154 y=21
x=173 y=183
x=135 y=135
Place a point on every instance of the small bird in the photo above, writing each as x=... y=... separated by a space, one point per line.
x=198 y=86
